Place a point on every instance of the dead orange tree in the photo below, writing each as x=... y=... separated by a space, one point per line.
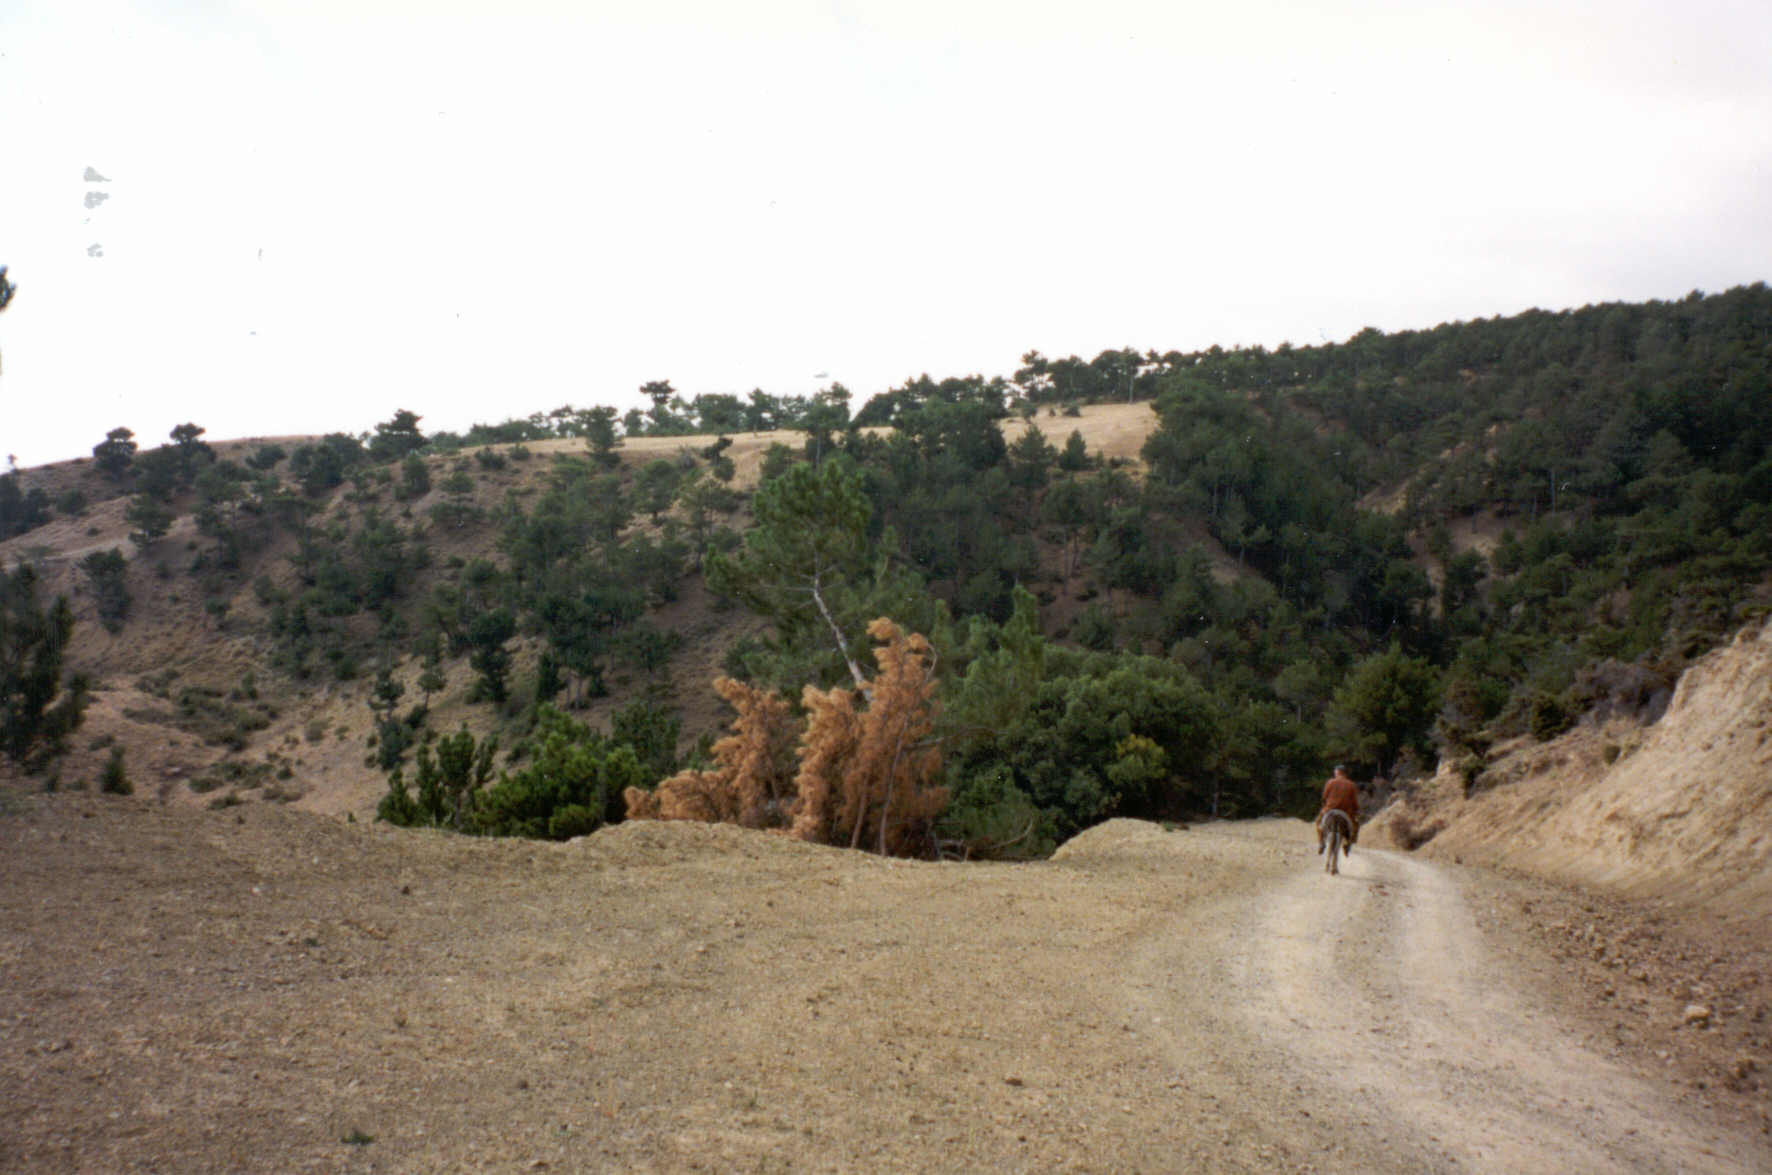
x=867 y=763
x=867 y=775
x=752 y=782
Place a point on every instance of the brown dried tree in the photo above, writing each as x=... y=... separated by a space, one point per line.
x=752 y=782
x=867 y=776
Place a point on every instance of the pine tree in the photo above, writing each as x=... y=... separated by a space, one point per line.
x=114 y=779
x=38 y=710
x=809 y=541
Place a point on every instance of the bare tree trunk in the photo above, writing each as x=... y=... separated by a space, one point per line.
x=886 y=800
x=842 y=645
x=861 y=818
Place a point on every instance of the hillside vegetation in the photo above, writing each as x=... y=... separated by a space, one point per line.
x=1157 y=585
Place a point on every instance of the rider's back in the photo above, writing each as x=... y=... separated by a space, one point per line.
x=1341 y=793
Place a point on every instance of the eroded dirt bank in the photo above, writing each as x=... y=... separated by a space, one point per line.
x=1675 y=810
x=266 y=990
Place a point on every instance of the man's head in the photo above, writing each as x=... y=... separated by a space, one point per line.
x=1340 y=770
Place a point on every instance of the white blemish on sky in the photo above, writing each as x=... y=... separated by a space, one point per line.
x=476 y=211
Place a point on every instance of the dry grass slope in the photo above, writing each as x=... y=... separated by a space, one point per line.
x=311 y=753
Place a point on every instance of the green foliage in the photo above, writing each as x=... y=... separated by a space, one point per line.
x=662 y=419
x=324 y=466
x=106 y=572
x=20 y=510
x=431 y=678
x=113 y=779
x=415 y=478
x=115 y=453
x=234 y=507
x=38 y=710
x=1547 y=717
x=489 y=656
x=800 y=563
x=190 y=451
x=651 y=730
x=149 y=519
x=396 y=438
x=990 y=818
x=212 y=714
x=570 y=785
x=1386 y=705
x=391 y=735
x=265 y=457
x=705 y=501
x=1621 y=450
x=656 y=487
x=340 y=572
x=601 y=437
x=1079 y=736
x=1031 y=460
x=457 y=511
x=777 y=460
x=570 y=782
x=718 y=413
x=1075 y=457
x=448 y=779
x=548 y=682
x=1095 y=629
x=573 y=578
x=159 y=474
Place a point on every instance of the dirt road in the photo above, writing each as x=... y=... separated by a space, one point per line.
x=1369 y=1011
x=258 y=989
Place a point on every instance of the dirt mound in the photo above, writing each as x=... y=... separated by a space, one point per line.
x=1114 y=840
x=1680 y=810
x=660 y=842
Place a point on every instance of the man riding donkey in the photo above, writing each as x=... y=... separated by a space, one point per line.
x=1340 y=794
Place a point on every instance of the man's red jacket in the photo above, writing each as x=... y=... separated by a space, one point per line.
x=1341 y=793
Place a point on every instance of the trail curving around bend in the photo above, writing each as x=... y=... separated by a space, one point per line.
x=1363 y=1022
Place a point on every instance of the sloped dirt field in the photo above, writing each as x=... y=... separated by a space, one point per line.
x=260 y=989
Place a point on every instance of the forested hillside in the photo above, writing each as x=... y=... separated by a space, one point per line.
x=1388 y=550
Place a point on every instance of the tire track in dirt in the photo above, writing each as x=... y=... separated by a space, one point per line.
x=1360 y=1023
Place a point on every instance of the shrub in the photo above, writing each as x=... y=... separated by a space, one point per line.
x=1547 y=717
x=991 y=818
x=448 y=782
x=106 y=572
x=265 y=457
x=114 y=779
x=415 y=478
x=572 y=784
x=38 y=710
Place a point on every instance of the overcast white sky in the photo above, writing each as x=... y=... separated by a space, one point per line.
x=319 y=211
